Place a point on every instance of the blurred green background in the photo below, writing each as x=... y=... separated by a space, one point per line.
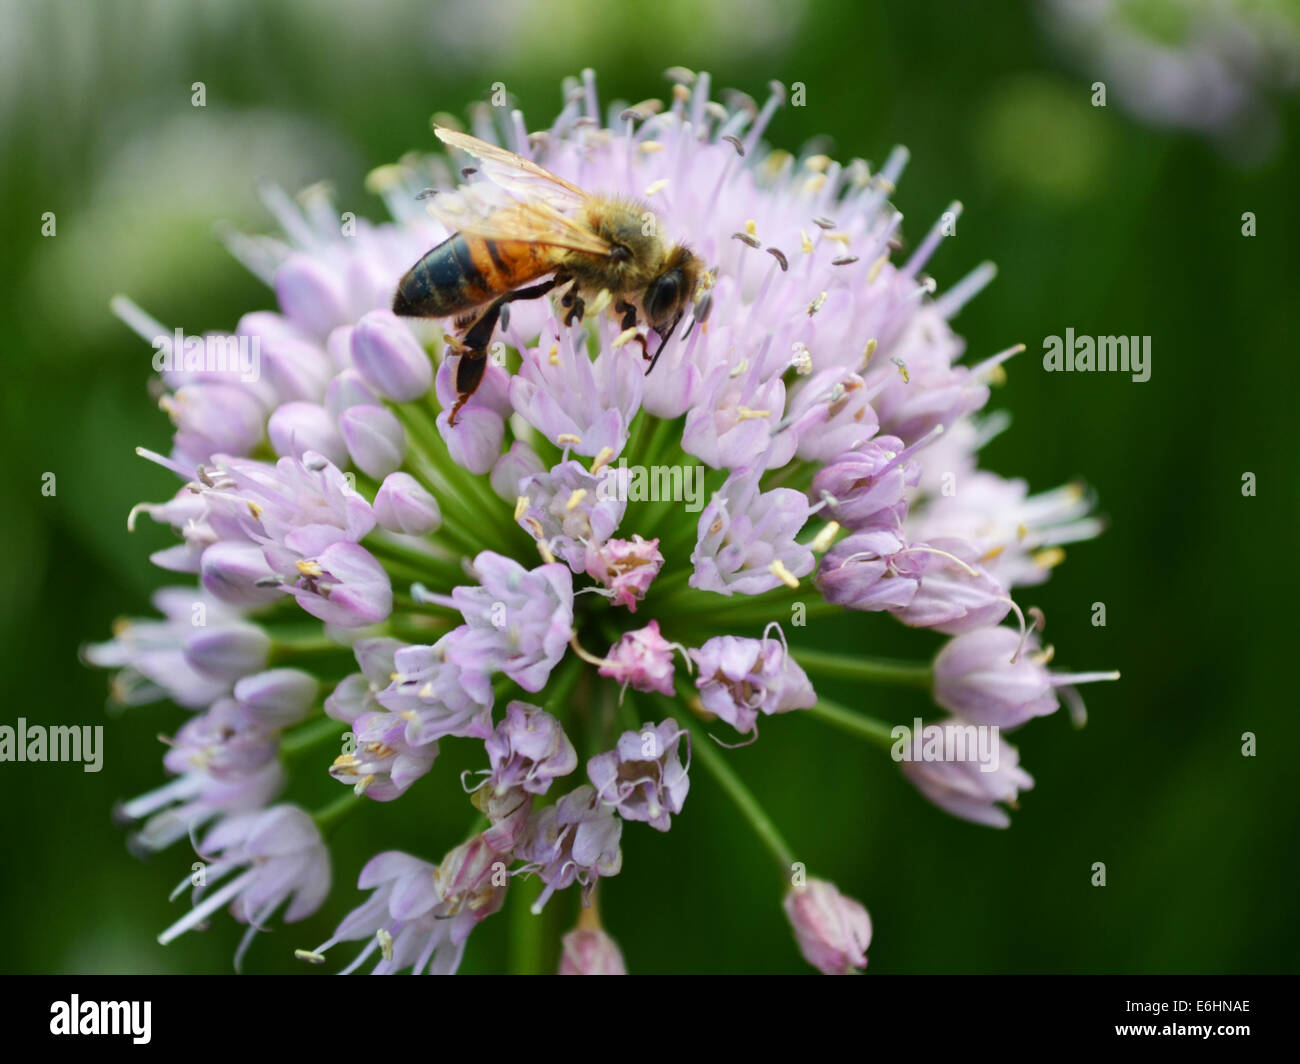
x=1095 y=222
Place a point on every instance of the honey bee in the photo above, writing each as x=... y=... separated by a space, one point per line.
x=525 y=223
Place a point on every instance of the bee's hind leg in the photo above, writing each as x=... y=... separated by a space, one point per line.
x=473 y=358
x=469 y=375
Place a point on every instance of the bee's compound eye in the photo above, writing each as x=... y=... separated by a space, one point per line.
x=662 y=296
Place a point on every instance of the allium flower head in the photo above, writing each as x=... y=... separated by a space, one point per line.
x=371 y=581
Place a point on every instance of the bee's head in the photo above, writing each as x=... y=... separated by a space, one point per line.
x=668 y=294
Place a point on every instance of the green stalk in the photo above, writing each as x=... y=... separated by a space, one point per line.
x=308 y=736
x=872 y=670
x=704 y=750
x=525 y=945
x=329 y=817
x=856 y=724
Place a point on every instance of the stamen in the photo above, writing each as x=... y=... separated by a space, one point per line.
x=965 y=290
x=598 y=463
x=310 y=956
x=569 y=439
x=656 y=187
x=137 y=320
x=575 y=499
x=921 y=548
x=744 y=413
x=1062 y=679
x=932 y=239
x=522 y=503
x=822 y=541
x=779 y=570
x=625 y=337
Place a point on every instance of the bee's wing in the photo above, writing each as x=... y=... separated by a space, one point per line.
x=516 y=174
x=483 y=210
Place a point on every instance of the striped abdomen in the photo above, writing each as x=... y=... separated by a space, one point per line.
x=464 y=272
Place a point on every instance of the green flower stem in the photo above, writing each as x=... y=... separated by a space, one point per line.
x=329 y=817
x=287 y=651
x=872 y=670
x=455 y=516
x=403 y=573
x=471 y=491
x=705 y=750
x=426 y=566
x=562 y=689
x=424 y=609
x=707 y=611
x=306 y=737
x=427 y=630
x=856 y=724
x=527 y=930
x=664 y=443
x=433 y=467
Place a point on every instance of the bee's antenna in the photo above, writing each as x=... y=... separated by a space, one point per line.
x=664 y=343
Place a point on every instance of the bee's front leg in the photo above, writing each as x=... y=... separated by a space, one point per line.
x=629 y=322
x=576 y=308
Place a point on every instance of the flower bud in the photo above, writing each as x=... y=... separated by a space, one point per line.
x=643 y=660
x=590 y=951
x=969 y=787
x=375 y=438
x=348 y=389
x=212 y=418
x=310 y=295
x=389 y=358
x=626 y=566
x=994 y=676
x=228 y=651
x=231 y=571
x=278 y=697
x=403 y=505
x=833 y=931
x=513 y=468
x=296 y=370
x=298 y=427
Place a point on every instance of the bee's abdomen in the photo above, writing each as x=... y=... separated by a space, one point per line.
x=465 y=272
